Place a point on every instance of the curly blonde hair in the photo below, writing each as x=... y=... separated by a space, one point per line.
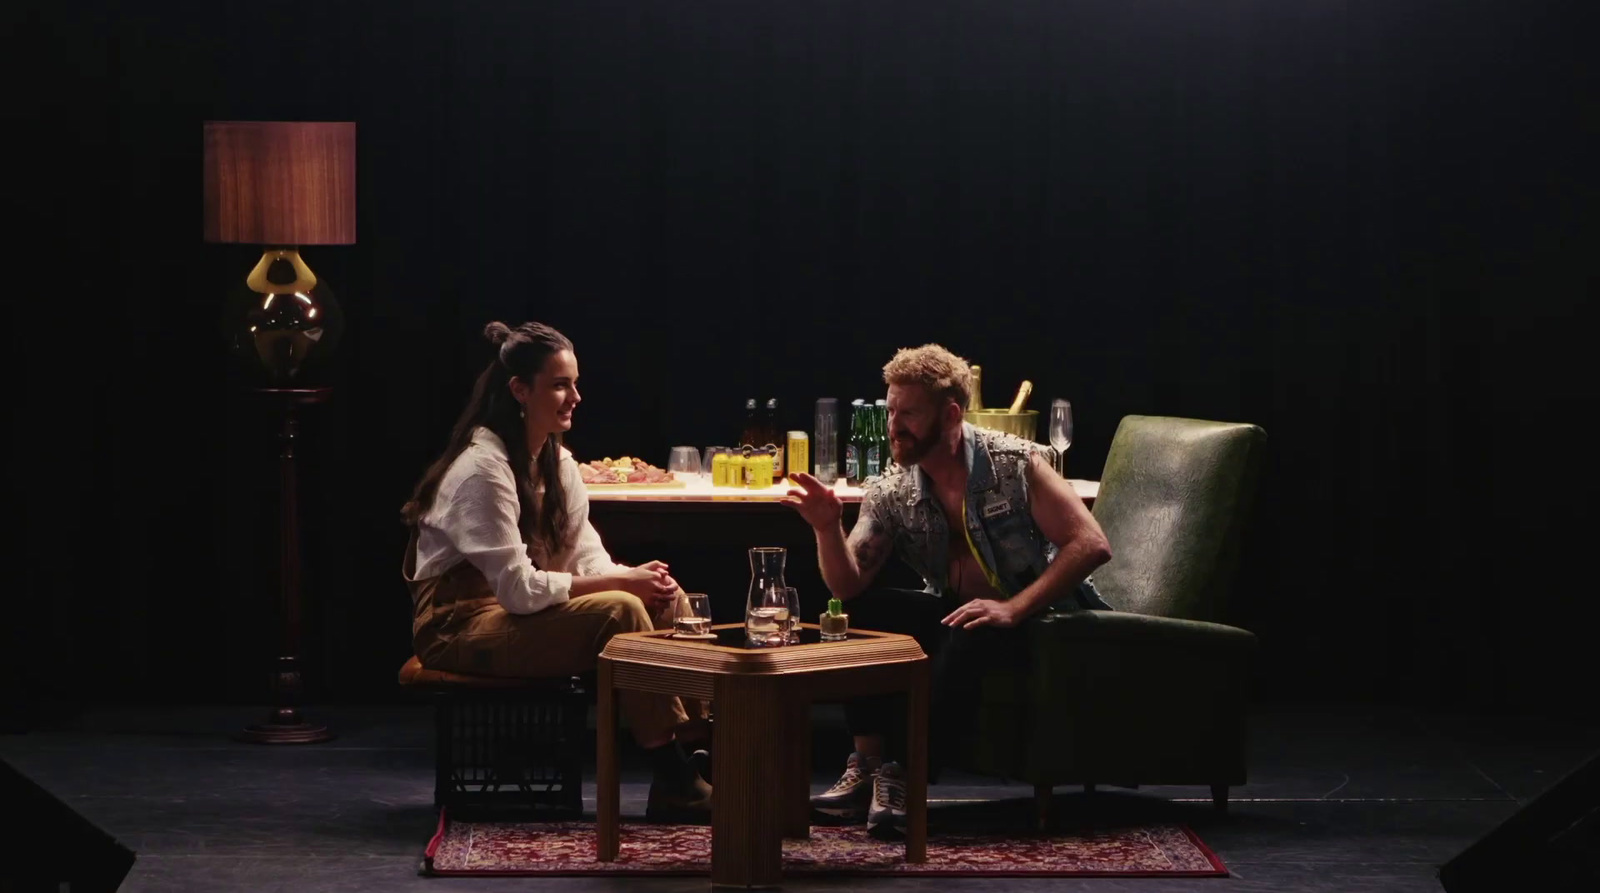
x=944 y=374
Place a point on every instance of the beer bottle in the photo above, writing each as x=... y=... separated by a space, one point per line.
x=853 y=454
x=774 y=437
x=751 y=435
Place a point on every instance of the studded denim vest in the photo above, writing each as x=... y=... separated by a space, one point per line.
x=998 y=518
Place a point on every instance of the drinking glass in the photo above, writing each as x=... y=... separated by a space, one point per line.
x=791 y=632
x=685 y=461
x=706 y=460
x=691 y=616
x=708 y=465
x=1060 y=432
x=767 y=621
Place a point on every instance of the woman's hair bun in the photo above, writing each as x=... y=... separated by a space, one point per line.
x=497 y=333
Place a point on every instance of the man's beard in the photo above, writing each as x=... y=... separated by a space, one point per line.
x=919 y=448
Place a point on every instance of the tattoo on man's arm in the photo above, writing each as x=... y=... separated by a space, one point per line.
x=868 y=550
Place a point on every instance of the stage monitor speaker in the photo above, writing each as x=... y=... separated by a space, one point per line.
x=1550 y=845
x=52 y=848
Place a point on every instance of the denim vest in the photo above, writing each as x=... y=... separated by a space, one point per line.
x=998 y=517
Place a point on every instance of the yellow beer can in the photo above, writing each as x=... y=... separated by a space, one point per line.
x=799 y=453
x=775 y=452
x=761 y=468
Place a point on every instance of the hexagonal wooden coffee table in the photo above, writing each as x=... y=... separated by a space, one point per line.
x=762 y=761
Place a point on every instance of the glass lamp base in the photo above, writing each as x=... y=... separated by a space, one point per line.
x=283 y=323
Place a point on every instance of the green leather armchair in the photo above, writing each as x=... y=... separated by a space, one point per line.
x=1156 y=691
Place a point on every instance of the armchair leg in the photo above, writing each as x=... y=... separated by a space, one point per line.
x=1219 y=797
x=1043 y=794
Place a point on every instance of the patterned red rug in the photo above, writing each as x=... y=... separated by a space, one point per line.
x=567 y=848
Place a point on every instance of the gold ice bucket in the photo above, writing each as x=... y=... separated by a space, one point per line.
x=1024 y=424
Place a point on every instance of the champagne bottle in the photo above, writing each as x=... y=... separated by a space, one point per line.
x=975 y=401
x=1022 y=397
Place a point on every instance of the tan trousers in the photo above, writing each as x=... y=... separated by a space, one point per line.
x=458 y=626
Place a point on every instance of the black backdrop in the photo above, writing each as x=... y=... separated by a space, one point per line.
x=1367 y=226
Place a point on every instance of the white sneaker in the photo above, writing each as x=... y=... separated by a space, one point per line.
x=851 y=794
x=887 y=817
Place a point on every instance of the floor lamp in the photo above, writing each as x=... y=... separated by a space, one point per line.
x=281 y=185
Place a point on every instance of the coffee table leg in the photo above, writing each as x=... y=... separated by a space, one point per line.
x=747 y=806
x=797 y=770
x=917 y=765
x=606 y=794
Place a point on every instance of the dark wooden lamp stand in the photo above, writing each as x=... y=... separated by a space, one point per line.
x=284 y=723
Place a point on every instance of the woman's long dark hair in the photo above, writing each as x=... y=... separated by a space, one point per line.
x=522 y=353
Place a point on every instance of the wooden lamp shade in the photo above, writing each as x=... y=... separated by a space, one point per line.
x=280 y=182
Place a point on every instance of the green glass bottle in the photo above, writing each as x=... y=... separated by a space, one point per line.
x=885 y=455
x=854 y=454
x=873 y=443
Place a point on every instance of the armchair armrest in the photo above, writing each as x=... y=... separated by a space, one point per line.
x=1121 y=626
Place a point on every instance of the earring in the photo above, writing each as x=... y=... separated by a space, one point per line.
x=522 y=412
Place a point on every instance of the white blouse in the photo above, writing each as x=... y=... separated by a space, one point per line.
x=474 y=517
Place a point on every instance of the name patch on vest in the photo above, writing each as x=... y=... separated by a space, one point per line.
x=995 y=509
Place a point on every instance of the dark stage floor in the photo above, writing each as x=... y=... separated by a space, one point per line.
x=1339 y=799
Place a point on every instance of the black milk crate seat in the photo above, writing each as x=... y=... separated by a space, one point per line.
x=505 y=744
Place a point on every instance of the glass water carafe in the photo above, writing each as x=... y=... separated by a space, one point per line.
x=766 y=605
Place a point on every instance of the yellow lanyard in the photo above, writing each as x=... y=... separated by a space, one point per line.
x=988 y=574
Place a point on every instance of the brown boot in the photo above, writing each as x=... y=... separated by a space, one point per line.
x=671 y=801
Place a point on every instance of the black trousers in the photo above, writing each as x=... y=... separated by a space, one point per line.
x=959 y=660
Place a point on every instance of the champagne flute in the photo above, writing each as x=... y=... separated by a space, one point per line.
x=1060 y=432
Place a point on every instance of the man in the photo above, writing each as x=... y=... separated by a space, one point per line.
x=997 y=537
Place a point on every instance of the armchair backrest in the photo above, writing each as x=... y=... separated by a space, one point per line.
x=1173 y=501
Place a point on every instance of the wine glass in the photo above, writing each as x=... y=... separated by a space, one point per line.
x=1060 y=432
x=691 y=615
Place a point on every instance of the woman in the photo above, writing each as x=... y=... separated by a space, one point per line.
x=507 y=576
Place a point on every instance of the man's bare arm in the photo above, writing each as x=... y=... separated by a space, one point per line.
x=870 y=546
x=847 y=567
x=1064 y=520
